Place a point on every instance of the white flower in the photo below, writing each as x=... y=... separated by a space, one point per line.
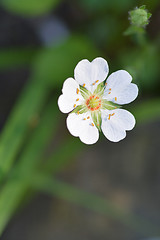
x=94 y=104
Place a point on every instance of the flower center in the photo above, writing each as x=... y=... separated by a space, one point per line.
x=93 y=103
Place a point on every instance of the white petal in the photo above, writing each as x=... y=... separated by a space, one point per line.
x=69 y=87
x=73 y=121
x=81 y=128
x=127 y=95
x=67 y=100
x=114 y=127
x=66 y=104
x=120 y=89
x=89 y=72
x=118 y=80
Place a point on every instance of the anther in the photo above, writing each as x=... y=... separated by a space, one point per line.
x=93 y=83
x=112 y=114
x=78 y=112
x=109 y=117
x=77 y=91
x=109 y=89
x=74 y=105
x=88 y=117
x=92 y=124
x=77 y=99
x=109 y=93
x=84 y=85
x=97 y=81
x=84 y=118
x=106 y=84
x=115 y=99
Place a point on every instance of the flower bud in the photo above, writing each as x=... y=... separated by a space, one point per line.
x=139 y=17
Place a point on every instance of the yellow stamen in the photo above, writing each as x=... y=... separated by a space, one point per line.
x=84 y=85
x=74 y=105
x=88 y=117
x=77 y=91
x=109 y=93
x=97 y=81
x=109 y=89
x=78 y=112
x=92 y=124
x=106 y=84
x=110 y=115
x=115 y=99
x=93 y=83
x=77 y=99
x=84 y=118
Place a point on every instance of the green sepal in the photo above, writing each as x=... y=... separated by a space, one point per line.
x=80 y=109
x=143 y=7
x=109 y=105
x=97 y=119
x=84 y=92
x=100 y=89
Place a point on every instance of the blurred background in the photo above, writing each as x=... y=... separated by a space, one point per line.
x=52 y=186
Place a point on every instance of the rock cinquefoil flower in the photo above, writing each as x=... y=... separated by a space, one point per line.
x=94 y=104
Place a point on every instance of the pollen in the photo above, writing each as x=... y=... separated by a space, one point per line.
x=88 y=117
x=84 y=85
x=97 y=81
x=74 y=105
x=78 y=112
x=115 y=99
x=109 y=89
x=93 y=103
x=110 y=115
x=77 y=99
x=109 y=93
x=84 y=118
x=77 y=91
x=92 y=124
x=93 y=83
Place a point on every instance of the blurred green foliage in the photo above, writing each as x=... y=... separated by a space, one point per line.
x=29 y=7
x=34 y=120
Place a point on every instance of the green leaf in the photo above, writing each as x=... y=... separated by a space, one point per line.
x=109 y=105
x=97 y=119
x=80 y=109
x=29 y=7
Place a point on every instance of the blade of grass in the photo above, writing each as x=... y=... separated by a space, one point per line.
x=93 y=202
x=63 y=154
x=147 y=111
x=12 y=58
x=14 y=132
x=47 y=71
x=13 y=191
